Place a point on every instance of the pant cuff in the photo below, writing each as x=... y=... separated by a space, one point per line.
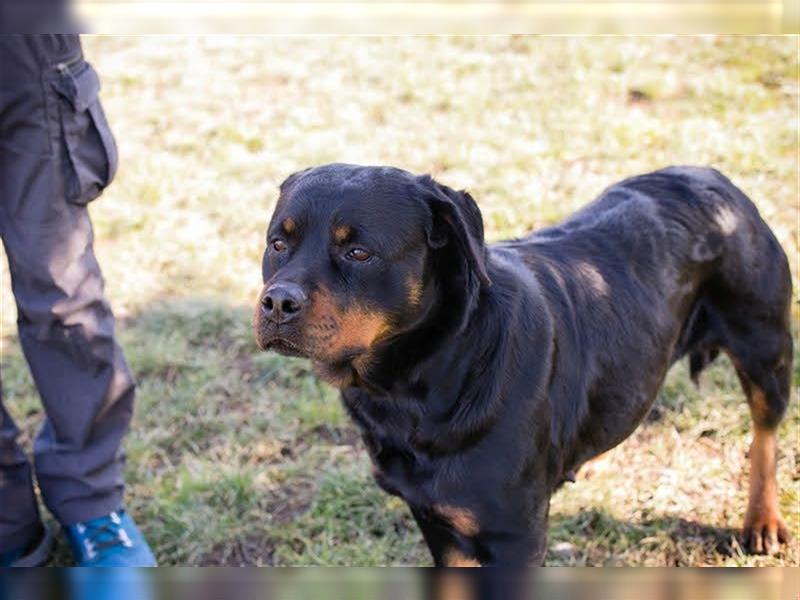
x=21 y=537
x=86 y=509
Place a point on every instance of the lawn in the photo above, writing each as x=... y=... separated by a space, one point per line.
x=237 y=457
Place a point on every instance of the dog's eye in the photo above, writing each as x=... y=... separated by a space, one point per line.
x=358 y=254
x=278 y=245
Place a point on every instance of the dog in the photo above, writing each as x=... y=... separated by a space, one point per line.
x=483 y=376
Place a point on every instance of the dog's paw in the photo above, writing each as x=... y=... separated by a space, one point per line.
x=764 y=532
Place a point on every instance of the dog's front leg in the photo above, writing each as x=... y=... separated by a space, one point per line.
x=460 y=538
x=447 y=547
x=516 y=538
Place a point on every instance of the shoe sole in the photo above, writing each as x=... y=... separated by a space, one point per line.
x=41 y=554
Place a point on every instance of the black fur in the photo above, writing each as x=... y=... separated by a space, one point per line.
x=526 y=358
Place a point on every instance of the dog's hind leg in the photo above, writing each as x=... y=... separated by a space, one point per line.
x=767 y=395
x=759 y=345
x=748 y=295
x=765 y=379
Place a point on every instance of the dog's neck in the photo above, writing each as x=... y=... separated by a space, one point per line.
x=433 y=373
x=450 y=314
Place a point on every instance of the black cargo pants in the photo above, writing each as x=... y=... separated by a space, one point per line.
x=57 y=154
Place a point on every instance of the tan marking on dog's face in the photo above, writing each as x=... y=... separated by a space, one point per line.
x=360 y=328
x=463 y=520
x=456 y=558
x=332 y=330
x=341 y=233
x=289 y=225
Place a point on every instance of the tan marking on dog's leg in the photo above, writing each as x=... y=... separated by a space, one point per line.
x=759 y=409
x=456 y=558
x=452 y=586
x=764 y=528
x=463 y=520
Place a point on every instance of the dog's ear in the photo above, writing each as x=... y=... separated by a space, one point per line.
x=457 y=219
x=292 y=179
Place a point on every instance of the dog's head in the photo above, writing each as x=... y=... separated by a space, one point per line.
x=355 y=257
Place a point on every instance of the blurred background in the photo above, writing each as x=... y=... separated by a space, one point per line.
x=406 y=584
x=237 y=457
x=442 y=16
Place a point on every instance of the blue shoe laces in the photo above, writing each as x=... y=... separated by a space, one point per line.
x=101 y=534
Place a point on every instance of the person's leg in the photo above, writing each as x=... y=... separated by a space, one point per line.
x=67 y=333
x=19 y=519
x=21 y=104
x=56 y=154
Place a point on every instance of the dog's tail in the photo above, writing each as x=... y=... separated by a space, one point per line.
x=699 y=360
x=700 y=339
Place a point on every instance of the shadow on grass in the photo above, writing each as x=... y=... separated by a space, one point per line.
x=593 y=537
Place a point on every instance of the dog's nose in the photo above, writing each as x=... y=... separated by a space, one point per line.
x=283 y=301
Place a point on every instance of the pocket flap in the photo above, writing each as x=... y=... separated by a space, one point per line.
x=81 y=89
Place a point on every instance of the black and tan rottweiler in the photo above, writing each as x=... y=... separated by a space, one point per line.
x=483 y=377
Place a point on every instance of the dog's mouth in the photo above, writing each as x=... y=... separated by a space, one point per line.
x=270 y=337
x=285 y=347
x=332 y=362
x=335 y=369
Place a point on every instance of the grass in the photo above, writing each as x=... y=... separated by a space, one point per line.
x=237 y=457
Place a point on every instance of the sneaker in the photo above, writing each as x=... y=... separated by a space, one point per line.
x=109 y=541
x=107 y=584
x=34 y=554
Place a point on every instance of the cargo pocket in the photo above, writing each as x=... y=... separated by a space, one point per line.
x=89 y=154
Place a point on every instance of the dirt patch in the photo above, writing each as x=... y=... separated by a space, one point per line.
x=290 y=501
x=337 y=436
x=249 y=551
x=269 y=452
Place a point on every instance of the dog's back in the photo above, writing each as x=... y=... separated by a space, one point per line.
x=691 y=235
x=681 y=254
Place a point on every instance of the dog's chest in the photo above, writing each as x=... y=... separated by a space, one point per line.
x=388 y=430
x=401 y=473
